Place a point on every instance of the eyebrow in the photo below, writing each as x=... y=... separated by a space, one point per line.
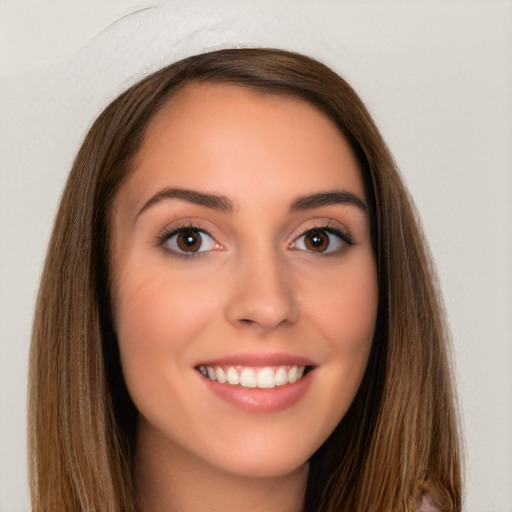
x=328 y=198
x=224 y=204
x=216 y=202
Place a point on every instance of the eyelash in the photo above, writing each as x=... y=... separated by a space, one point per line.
x=163 y=238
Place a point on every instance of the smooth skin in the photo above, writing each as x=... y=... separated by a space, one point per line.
x=260 y=275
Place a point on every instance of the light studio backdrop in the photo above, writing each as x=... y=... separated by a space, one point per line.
x=436 y=77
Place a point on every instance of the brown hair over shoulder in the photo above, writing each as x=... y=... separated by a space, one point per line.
x=399 y=439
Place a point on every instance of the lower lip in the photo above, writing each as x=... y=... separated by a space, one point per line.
x=261 y=400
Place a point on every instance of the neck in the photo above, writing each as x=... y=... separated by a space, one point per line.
x=170 y=479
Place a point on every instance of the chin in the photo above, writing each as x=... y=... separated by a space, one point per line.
x=277 y=457
x=265 y=467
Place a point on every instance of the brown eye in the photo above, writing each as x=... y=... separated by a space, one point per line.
x=188 y=241
x=326 y=241
x=316 y=240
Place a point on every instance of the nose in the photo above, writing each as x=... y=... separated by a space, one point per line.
x=262 y=296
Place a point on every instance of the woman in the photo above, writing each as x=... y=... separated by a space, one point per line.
x=237 y=308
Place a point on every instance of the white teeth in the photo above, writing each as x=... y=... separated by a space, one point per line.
x=281 y=377
x=221 y=376
x=248 y=378
x=233 y=376
x=263 y=378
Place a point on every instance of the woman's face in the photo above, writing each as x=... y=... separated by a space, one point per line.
x=242 y=251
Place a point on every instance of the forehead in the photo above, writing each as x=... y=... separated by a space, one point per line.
x=216 y=136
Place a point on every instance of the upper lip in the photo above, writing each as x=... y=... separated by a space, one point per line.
x=259 y=360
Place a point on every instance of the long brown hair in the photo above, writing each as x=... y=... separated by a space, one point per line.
x=398 y=440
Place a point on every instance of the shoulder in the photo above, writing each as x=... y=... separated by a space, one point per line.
x=425 y=505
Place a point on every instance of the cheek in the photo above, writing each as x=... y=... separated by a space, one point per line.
x=158 y=305
x=156 y=318
x=345 y=311
x=345 y=307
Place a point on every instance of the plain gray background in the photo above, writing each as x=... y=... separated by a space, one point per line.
x=437 y=78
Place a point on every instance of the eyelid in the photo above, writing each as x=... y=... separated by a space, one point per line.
x=322 y=223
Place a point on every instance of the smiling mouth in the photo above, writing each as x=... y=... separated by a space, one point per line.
x=266 y=377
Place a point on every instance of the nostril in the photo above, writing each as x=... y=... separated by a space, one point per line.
x=261 y=305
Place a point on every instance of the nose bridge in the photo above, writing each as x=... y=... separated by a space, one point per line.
x=262 y=293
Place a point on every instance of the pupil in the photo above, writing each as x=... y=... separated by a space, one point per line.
x=316 y=240
x=189 y=240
